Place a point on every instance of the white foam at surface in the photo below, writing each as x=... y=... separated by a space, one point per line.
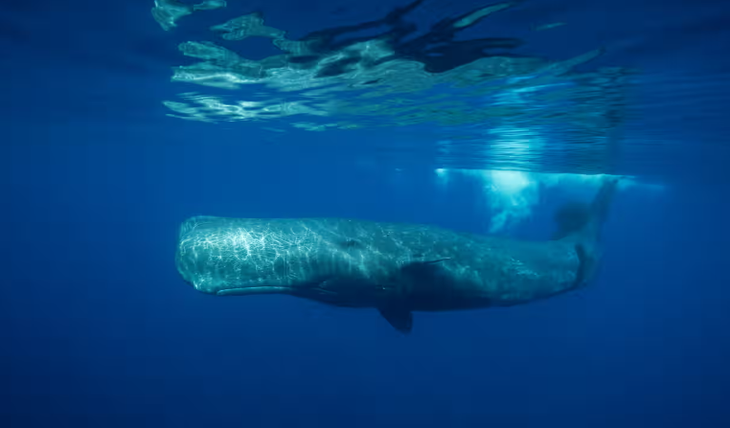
x=512 y=195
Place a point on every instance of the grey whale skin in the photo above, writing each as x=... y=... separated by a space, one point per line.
x=394 y=268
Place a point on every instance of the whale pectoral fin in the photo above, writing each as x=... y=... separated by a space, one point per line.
x=400 y=318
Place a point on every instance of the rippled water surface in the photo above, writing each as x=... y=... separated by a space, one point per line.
x=551 y=86
x=468 y=85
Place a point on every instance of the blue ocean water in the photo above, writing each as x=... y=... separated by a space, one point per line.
x=117 y=126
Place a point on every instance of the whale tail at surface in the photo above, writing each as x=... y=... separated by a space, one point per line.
x=581 y=223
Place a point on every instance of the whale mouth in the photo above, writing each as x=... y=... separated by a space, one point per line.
x=256 y=289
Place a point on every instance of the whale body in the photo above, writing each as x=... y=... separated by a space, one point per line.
x=395 y=268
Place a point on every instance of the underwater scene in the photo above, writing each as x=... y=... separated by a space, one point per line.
x=388 y=213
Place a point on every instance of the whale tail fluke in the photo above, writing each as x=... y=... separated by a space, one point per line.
x=580 y=224
x=584 y=221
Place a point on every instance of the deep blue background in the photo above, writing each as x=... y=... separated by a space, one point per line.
x=99 y=330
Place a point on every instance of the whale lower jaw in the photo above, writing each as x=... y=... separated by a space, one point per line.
x=246 y=291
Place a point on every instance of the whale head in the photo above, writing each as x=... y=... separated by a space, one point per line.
x=228 y=257
x=224 y=256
